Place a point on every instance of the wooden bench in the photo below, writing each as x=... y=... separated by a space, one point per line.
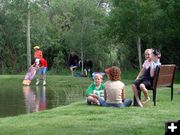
x=164 y=77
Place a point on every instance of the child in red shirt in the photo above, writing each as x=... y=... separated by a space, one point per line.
x=42 y=64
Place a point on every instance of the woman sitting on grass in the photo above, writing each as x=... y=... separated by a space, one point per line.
x=114 y=90
x=95 y=91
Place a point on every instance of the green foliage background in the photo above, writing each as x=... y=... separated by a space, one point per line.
x=104 y=30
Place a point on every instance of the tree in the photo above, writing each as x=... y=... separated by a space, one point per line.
x=79 y=23
x=13 y=26
x=134 y=21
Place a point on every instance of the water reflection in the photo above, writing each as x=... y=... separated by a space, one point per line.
x=18 y=99
x=34 y=100
x=41 y=96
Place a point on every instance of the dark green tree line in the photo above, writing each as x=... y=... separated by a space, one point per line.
x=109 y=32
x=154 y=22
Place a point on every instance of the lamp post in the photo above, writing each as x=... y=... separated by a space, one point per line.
x=28 y=37
x=28 y=33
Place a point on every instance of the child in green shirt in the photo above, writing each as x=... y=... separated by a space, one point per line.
x=95 y=90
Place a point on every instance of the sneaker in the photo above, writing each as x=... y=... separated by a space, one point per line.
x=44 y=82
x=37 y=82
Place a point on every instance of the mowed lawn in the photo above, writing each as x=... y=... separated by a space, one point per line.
x=80 y=119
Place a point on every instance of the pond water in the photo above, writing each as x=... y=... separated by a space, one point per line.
x=27 y=99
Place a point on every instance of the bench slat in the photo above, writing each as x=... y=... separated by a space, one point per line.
x=166 y=69
x=164 y=80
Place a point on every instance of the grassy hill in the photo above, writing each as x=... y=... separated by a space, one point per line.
x=80 y=119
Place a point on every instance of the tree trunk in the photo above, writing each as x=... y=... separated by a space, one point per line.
x=82 y=60
x=28 y=38
x=82 y=55
x=139 y=51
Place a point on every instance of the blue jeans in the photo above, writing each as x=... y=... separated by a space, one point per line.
x=42 y=71
x=126 y=103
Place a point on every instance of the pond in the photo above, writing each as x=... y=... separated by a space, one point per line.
x=27 y=99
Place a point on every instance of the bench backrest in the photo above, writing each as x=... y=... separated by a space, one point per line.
x=164 y=76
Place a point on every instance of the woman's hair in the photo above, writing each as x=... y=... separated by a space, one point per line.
x=148 y=51
x=115 y=73
x=157 y=52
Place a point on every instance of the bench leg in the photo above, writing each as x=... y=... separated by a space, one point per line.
x=154 y=97
x=171 y=93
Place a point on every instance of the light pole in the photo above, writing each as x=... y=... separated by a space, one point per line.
x=28 y=37
x=28 y=33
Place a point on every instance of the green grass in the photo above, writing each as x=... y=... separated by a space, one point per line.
x=80 y=119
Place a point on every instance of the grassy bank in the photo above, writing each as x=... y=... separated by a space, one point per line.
x=79 y=118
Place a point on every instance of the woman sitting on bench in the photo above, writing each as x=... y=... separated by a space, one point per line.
x=145 y=81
